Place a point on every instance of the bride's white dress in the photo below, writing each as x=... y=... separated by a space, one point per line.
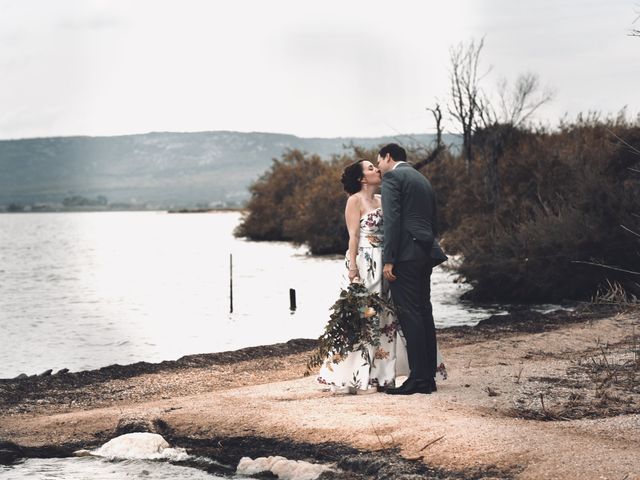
x=390 y=358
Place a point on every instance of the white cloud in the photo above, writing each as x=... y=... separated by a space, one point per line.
x=326 y=69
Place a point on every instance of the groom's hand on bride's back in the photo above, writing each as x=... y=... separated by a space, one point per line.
x=387 y=271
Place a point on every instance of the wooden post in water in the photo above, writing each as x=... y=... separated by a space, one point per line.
x=292 y=299
x=231 y=283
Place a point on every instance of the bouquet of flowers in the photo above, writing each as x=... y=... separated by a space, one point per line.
x=354 y=325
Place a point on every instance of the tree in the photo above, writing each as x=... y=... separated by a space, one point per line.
x=488 y=124
x=440 y=147
x=518 y=103
x=465 y=92
x=515 y=106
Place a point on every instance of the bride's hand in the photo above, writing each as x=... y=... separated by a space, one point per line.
x=353 y=275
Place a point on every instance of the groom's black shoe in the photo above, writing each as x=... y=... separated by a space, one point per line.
x=384 y=388
x=410 y=387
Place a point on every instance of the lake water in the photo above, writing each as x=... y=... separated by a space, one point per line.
x=86 y=290
x=100 y=469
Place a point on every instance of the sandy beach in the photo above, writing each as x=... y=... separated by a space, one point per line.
x=530 y=396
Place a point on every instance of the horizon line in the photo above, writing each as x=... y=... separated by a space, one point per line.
x=16 y=139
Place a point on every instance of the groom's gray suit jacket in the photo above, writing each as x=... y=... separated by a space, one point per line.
x=410 y=217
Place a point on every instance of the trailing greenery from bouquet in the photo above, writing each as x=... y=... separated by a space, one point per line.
x=354 y=325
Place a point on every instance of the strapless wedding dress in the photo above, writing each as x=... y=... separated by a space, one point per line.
x=390 y=358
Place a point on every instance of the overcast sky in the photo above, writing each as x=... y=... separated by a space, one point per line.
x=313 y=69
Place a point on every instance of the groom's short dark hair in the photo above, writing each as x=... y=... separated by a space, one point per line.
x=396 y=151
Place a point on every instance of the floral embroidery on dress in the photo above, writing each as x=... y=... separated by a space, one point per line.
x=389 y=359
x=381 y=354
x=390 y=329
x=372 y=219
x=371 y=263
x=374 y=240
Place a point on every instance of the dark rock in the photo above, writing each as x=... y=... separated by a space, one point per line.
x=46 y=373
x=62 y=371
x=134 y=424
x=9 y=453
x=21 y=376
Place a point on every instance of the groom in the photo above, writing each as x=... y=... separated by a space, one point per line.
x=409 y=207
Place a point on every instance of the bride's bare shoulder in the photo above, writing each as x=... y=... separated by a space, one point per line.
x=354 y=200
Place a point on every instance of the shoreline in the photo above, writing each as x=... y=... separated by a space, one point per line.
x=197 y=360
x=518 y=319
x=513 y=379
x=346 y=462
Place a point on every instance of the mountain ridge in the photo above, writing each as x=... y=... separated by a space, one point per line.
x=157 y=169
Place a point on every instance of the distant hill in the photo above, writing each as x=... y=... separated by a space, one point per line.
x=163 y=170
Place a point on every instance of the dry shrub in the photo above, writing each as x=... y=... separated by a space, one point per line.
x=318 y=219
x=273 y=196
x=562 y=199
x=535 y=215
x=300 y=199
x=604 y=382
x=613 y=293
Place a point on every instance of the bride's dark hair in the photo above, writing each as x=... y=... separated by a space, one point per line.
x=351 y=176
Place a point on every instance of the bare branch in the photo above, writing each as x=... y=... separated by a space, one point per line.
x=431 y=443
x=433 y=155
x=607 y=267
x=624 y=142
x=437 y=115
x=519 y=103
x=439 y=148
x=465 y=102
x=630 y=231
x=635 y=32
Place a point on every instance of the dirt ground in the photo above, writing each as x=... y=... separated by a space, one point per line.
x=546 y=397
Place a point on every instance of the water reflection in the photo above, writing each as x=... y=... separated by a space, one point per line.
x=85 y=290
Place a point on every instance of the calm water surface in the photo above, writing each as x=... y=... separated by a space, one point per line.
x=86 y=290
x=100 y=469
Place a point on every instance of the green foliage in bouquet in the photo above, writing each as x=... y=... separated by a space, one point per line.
x=354 y=325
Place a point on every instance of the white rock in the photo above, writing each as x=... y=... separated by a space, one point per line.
x=285 y=469
x=140 y=446
x=82 y=453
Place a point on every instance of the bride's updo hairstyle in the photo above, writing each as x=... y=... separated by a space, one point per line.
x=351 y=177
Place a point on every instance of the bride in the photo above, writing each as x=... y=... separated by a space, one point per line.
x=364 y=219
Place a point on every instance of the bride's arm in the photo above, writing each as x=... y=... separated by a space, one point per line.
x=352 y=219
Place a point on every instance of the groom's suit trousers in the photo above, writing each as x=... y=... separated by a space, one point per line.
x=411 y=293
